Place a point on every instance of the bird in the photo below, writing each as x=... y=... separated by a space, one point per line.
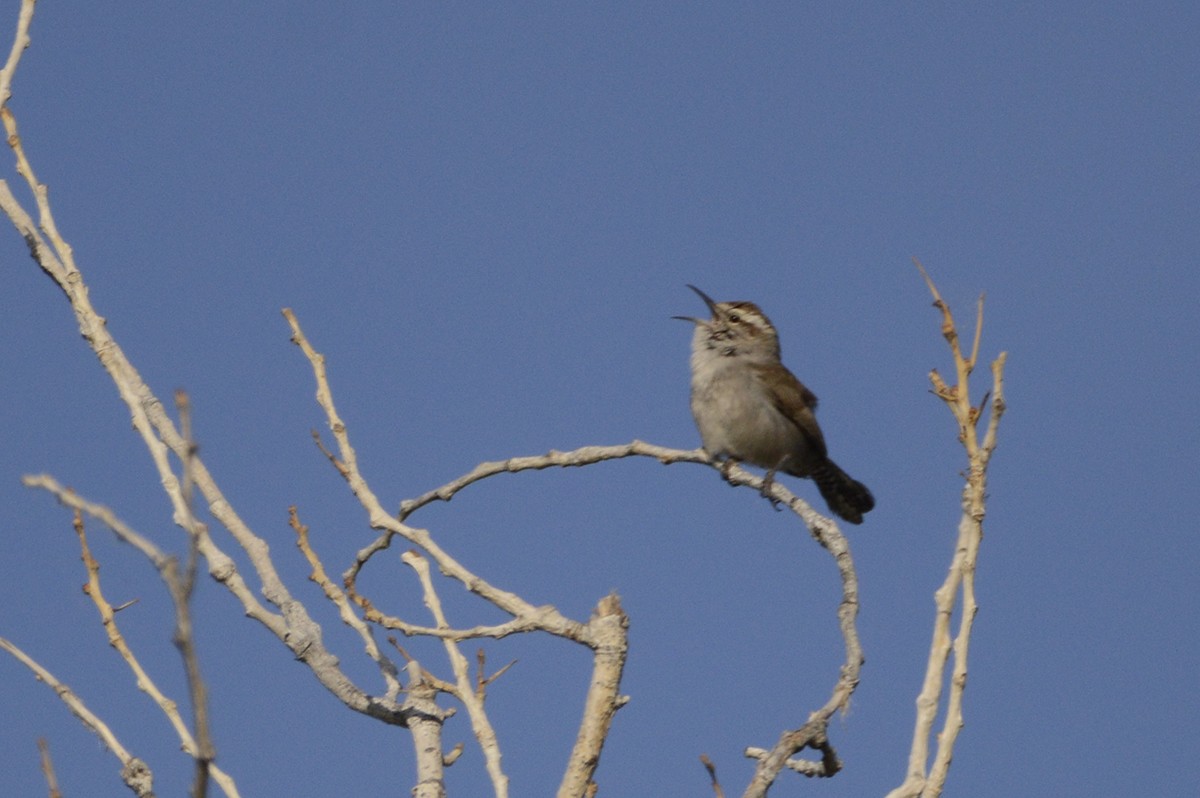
x=749 y=408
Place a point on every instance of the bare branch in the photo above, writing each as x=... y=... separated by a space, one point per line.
x=48 y=768
x=230 y=577
x=822 y=529
x=610 y=635
x=71 y=500
x=961 y=577
x=813 y=733
x=144 y=681
x=181 y=588
x=20 y=42
x=549 y=618
x=978 y=335
x=586 y=455
x=134 y=772
x=483 y=680
x=292 y=625
x=425 y=719
x=712 y=776
x=345 y=610
x=605 y=634
x=465 y=689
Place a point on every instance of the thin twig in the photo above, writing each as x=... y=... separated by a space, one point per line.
x=345 y=610
x=134 y=772
x=181 y=588
x=380 y=519
x=48 y=768
x=465 y=691
x=143 y=679
x=20 y=42
x=978 y=334
x=712 y=776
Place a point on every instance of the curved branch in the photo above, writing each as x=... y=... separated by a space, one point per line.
x=599 y=633
x=823 y=530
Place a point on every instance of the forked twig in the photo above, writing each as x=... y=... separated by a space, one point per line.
x=923 y=778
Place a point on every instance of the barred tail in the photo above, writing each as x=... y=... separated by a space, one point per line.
x=845 y=496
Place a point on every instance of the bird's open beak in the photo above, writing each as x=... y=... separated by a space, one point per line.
x=712 y=307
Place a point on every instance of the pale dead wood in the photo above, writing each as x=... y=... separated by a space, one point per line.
x=145 y=683
x=134 y=772
x=926 y=779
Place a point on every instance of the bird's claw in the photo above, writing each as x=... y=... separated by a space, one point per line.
x=765 y=491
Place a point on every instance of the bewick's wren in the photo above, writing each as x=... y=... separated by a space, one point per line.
x=749 y=407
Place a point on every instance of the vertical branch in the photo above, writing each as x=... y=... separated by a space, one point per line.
x=813 y=733
x=465 y=690
x=424 y=719
x=610 y=638
x=961 y=576
x=971 y=528
x=181 y=588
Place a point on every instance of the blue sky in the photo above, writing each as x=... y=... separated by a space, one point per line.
x=485 y=216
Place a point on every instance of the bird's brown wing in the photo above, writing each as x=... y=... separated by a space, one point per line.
x=797 y=403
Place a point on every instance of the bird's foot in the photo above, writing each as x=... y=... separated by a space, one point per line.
x=726 y=466
x=765 y=491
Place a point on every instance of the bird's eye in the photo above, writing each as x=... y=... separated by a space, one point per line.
x=735 y=318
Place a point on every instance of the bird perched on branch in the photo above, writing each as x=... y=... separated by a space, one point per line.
x=750 y=408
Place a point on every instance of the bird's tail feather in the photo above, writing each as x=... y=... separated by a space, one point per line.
x=846 y=497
